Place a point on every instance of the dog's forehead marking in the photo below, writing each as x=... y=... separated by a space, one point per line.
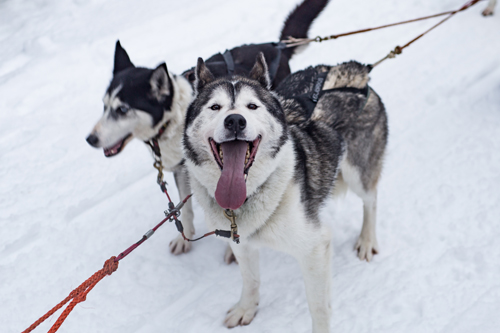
x=247 y=95
x=223 y=96
x=108 y=98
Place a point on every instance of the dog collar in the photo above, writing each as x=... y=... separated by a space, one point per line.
x=153 y=142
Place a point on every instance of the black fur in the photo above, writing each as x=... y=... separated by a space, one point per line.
x=122 y=60
x=299 y=21
x=136 y=92
x=297 y=25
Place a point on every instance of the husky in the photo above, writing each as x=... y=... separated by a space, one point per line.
x=151 y=104
x=490 y=9
x=271 y=159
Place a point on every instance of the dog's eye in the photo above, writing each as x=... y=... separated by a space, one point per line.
x=215 y=107
x=252 y=106
x=122 y=110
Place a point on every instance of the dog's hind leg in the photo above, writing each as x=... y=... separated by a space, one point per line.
x=366 y=245
x=178 y=245
x=243 y=312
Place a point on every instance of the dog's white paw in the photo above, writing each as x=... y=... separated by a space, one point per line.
x=229 y=256
x=366 y=248
x=487 y=12
x=240 y=315
x=178 y=245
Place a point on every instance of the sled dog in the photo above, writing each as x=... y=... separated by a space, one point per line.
x=151 y=104
x=273 y=158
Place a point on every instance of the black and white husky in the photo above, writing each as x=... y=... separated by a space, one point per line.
x=275 y=157
x=147 y=103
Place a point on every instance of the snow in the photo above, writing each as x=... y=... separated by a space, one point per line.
x=65 y=208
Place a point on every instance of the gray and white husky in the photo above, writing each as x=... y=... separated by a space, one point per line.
x=274 y=158
x=151 y=104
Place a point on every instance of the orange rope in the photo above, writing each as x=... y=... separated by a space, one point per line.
x=78 y=295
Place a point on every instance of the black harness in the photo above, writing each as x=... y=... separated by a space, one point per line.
x=273 y=64
x=309 y=100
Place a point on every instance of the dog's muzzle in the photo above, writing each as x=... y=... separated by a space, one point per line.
x=93 y=140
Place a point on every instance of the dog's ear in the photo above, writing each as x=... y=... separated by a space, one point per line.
x=260 y=73
x=203 y=75
x=160 y=82
x=122 y=61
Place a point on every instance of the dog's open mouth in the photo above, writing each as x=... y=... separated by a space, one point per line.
x=235 y=159
x=117 y=147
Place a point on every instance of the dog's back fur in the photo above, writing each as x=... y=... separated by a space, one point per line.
x=359 y=119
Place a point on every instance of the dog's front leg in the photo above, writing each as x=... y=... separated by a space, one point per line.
x=178 y=245
x=315 y=266
x=490 y=9
x=244 y=311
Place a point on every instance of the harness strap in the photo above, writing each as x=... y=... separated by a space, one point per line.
x=309 y=100
x=153 y=142
x=228 y=59
x=275 y=63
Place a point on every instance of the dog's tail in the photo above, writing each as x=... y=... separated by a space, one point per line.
x=300 y=20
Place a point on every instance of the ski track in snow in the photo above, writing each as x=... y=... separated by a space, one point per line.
x=65 y=208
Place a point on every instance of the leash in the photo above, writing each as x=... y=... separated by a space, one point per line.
x=173 y=213
x=399 y=49
x=79 y=294
x=292 y=42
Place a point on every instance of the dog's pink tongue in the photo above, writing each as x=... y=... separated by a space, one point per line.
x=231 y=190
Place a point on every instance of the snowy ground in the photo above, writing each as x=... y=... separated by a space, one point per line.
x=65 y=208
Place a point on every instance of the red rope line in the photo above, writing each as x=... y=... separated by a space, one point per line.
x=76 y=296
x=291 y=42
x=399 y=49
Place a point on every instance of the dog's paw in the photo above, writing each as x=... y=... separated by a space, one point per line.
x=366 y=248
x=178 y=245
x=240 y=315
x=487 y=12
x=229 y=256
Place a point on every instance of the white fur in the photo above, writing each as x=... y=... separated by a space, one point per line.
x=367 y=244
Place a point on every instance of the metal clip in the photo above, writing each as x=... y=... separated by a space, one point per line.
x=229 y=214
x=175 y=212
x=158 y=166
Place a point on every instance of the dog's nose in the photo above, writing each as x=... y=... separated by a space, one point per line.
x=235 y=123
x=93 y=140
